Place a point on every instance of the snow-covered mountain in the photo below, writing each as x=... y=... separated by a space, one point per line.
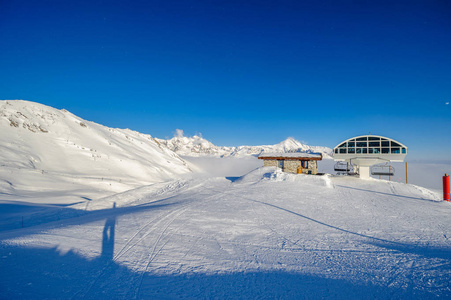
x=46 y=147
x=198 y=146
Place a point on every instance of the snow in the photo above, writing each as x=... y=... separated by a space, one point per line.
x=224 y=167
x=293 y=155
x=45 y=151
x=197 y=146
x=267 y=234
x=149 y=228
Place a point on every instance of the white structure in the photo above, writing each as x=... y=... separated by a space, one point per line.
x=367 y=150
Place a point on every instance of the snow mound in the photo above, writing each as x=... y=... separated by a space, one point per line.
x=276 y=174
x=49 y=149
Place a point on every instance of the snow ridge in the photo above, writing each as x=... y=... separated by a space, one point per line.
x=197 y=146
x=46 y=147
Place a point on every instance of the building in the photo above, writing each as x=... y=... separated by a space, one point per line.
x=300 y=163
x=368 y=150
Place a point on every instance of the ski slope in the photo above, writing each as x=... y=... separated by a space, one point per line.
x=50 y=153
x=264 y=235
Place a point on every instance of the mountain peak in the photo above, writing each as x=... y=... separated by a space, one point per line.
x=198 y=146
x=290 y=142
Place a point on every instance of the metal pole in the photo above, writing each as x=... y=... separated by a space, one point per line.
x=407 y=180
x=389 y=172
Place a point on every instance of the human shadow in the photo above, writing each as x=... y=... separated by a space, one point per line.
x=108 y=236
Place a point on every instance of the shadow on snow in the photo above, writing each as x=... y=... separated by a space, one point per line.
x=386 y=194
x=46 y=273
x=38 y=215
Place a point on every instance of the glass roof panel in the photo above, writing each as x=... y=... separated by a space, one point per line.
x=370 y=141
x=361 y=144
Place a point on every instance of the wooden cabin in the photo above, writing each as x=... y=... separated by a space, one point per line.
x=299 y=162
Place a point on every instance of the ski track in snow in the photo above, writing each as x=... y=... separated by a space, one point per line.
x=158 y=225
x=267 y=235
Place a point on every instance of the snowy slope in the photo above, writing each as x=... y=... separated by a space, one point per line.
x=266 y=235
x=44 y=150
x=198 y=146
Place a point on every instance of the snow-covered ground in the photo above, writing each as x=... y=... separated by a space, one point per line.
x=93 y=212
x=264 y=235
x=424 y=174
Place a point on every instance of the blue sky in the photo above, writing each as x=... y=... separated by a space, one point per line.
x=239 y=72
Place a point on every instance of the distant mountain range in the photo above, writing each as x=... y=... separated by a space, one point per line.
x=198 y=146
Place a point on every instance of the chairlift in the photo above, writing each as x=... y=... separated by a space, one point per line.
x=383 y=170
x=345 y=168
x=342 y=166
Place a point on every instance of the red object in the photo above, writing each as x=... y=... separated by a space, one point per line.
x=446 y=195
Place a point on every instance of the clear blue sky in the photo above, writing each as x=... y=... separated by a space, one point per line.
x=239 y=72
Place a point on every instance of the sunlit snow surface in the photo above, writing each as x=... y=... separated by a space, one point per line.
x=50 y=153
x=92 y=212
x=265 y=235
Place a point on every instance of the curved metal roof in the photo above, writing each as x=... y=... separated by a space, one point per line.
x=375 y=136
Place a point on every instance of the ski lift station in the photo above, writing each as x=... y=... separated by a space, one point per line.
x=364 y=151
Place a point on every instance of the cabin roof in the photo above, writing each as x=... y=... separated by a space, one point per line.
x=293 y=156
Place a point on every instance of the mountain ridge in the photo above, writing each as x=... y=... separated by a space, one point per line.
x=197 y=146
x=40 y=144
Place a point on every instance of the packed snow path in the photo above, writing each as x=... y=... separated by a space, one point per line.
x=266 y=235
